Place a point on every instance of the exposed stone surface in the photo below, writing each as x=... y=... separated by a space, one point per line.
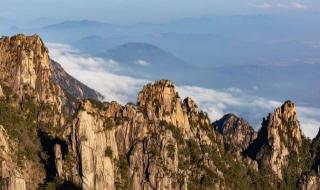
x=71 y=85
x=162 y=102
x=160 y=143
x=123 y=147
x=279 y=137
x=25 y=67
x=11 y=178
x=58 y=159
x=310 y=182
x=25 y=79
x=1 y=92
x=237 y=130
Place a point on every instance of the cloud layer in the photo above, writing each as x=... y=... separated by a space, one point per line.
x=97 y=73
x=102 y=76
x=293 y=5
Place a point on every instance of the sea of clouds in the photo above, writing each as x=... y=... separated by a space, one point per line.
x=103 y=76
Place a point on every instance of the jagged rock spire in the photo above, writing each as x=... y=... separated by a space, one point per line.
x=161 y=101
x=25 y=67
x=279 y=136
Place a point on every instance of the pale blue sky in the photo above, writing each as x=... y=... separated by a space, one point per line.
x=131 y=11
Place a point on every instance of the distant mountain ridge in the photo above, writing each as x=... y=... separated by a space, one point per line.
x=129 y=53
x=145 y=58
x=72 y=24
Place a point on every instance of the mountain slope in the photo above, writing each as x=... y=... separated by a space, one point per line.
x=71 y=85
x=160 y=142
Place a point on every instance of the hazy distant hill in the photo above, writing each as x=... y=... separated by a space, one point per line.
x=77 y=24
x=229 y=50
x=144 y=58
x=73 y=30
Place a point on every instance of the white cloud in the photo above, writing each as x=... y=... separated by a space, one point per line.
x=296 y=5
x=142 y=62
x=309 y=119
x=100 y=75
x=293 y=5
x=96 y=73
x=264 y=6
x=218 y=103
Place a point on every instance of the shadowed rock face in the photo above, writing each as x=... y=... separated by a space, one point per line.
x=237 y=130
x=71 y=85
x=316 y=152
x=311 y=180
x=161 y=142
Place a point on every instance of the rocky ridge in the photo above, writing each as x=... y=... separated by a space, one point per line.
x=237 y=130
x=71 y=85
x=161 y=142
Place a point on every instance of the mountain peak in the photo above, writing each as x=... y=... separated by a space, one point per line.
x=287 y=111
x=161 y=90
x=25 y=67
x=279 y=137
x=33 y=41
x=238 y=130
x=161 y=100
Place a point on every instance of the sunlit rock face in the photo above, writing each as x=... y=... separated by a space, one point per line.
x=25 y=80
x=109 y=136
x=25 y=68
x=162 y=102
x=279 y=138
x=11 y=178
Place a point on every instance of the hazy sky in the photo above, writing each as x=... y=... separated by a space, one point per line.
x=128 y=11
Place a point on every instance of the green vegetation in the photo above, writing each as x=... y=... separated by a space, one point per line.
x=298 y=164
x=20 y=125
x=171 y=151
x=108 y=124
x=123 y=166
x=108 y=152
x=3 y=182
x=98 y=104
x=143 y=110
x=195 y=152
x=175 y=131
x=177 y=95
x=59 y=184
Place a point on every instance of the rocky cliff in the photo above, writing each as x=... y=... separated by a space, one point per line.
x=236 y=130
x=160 y=142
x=70 y=85
x=280 y=148
x=25 y=78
